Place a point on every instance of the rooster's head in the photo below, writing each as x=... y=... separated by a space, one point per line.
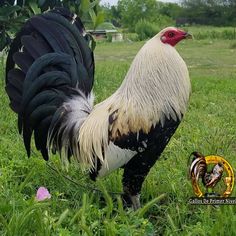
x=172 y=35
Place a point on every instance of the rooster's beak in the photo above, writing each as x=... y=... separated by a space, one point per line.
x=188 y=36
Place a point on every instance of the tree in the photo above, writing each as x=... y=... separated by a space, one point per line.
x=211 y=12
x=13 y=14
x=112 y=14
x=134 y=10
x=172 y=10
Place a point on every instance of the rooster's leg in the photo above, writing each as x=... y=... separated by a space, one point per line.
x=136 y=170
x=135 y=173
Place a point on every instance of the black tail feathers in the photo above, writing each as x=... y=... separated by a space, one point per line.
x=49 y=63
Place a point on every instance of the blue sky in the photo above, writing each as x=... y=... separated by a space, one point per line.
x=113 y=2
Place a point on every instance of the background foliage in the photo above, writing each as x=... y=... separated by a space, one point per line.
x=130 y=13
x=14 y=13
x=142 y=17
x=210 y=12
x=205 y=12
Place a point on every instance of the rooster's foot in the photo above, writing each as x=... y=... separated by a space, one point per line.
x=131 y=201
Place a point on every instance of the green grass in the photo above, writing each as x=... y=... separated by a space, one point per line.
x=76 y=209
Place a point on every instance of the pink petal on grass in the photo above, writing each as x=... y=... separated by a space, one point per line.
x=42 y=194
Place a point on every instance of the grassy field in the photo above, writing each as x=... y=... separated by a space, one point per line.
x=79 y=209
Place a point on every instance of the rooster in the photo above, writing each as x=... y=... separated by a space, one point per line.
x=198 y=169
x=49 y=80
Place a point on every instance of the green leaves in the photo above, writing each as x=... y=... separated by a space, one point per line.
x=84 y=6
x=6 y=11
x=12 y=17
x=4 y=39
x=10 y=21
x=96 y=19
x=134 y=10
x=89 y=8
x=34 y=7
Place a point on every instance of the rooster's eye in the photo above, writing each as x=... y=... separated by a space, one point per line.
x=171 y=34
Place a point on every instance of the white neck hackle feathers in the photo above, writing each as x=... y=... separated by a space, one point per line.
x=156 y=87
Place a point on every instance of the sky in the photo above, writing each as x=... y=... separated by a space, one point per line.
x=114 y=2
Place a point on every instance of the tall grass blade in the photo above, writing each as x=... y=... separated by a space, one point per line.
x=149 y=205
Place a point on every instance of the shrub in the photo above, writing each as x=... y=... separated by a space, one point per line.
x=233 y=45
x=145 y=29
x=211 y=32
x=228 y=34
x=109 y=37
x=131 y=37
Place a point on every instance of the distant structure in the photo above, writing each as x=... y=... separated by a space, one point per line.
x=107 y=31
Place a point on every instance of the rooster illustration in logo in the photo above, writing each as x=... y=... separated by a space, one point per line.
x=201 y=168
